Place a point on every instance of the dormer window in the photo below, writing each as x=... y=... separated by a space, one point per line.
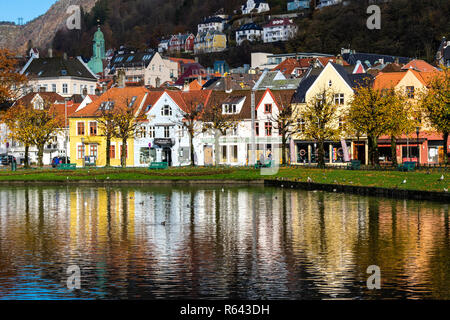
x=229 y=108
x=64 y=72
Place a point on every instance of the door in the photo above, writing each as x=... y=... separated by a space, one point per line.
x=359 y=151
x=208 y=152
x=167 y=156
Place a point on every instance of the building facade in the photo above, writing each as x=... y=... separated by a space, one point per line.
x=279 y=30
x=248 y=32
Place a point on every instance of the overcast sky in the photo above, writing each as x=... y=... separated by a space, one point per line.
x=26 y=9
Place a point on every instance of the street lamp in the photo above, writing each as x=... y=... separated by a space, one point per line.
x=66 y=138
x=418 y=146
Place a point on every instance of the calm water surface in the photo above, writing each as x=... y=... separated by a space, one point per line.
x=240 y=243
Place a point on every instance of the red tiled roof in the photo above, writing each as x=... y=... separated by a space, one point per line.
x=419 y=65
x=119 y=95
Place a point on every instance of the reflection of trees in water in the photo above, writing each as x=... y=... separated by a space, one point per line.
x=242 y=243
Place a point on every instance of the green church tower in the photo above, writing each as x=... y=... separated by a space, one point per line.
x=96 y=63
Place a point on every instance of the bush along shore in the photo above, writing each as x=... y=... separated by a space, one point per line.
x=330 y=179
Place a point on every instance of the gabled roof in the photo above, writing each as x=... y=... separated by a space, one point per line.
x=419 y=65
x=189 y=72
x=50 y=97
x=305 y=84
x=279 y=22
x=427 y=77
x=387 y=80
x=216 y=19
x=369 y=59
x=353 y=80
x=119 y=95
x=288 y=66
x=58 y=67
x=131 y=60
x=249 y=26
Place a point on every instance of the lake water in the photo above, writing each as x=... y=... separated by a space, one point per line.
x=238 y=243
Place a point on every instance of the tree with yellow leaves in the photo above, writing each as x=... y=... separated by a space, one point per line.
x=107 y=128
x=400 y=120
x=371 y=113
x=435 y=103
x=123 y=118
x=321 y=116
x=33 y=126
x=19 y=121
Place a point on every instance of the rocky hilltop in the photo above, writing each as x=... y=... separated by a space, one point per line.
x=42 y=29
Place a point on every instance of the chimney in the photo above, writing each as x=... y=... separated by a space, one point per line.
x=228 y=87
x=50 y=53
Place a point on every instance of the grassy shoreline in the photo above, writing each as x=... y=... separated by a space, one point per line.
x=419 y=180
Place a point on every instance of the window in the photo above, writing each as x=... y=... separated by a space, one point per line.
x=268 y=128
x=112 y=152
x=330 y=83
x=93 y=128
x=93 y=150
x=91 y=90
x=234 y=153
x=141 y=132
x=151 y=132
x=268 y=108
x=53 y=87
x=166 y=111
x=410 y=92
x=229 y=108
x=257 y=129
x=301 y=124
x=166 y=132
x=64 y=86
x=80 y=153
x=80 y=128
x=75 y=89
x=224 y=154
x=339 y=98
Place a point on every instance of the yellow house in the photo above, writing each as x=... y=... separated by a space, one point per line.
x=216 y=41
x=87 y=141
x=333 y=78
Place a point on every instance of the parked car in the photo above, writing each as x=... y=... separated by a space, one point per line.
x=59 y=160
x=7 y=159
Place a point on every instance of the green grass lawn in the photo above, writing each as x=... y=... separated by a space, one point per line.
x=418 y=180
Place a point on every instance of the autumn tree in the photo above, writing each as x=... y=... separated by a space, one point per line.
x=435 y=104
x=399 y=118
x=124 y=121
x=285 y=122
x=46 y=124
x=11 y=81
x=369 y=114
x=19 y=121
x=32 y=125
x=216 y=120
x=321 y=121
x=188 y=119
x=107 y=128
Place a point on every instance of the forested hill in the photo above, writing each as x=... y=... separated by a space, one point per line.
x=411 y=28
